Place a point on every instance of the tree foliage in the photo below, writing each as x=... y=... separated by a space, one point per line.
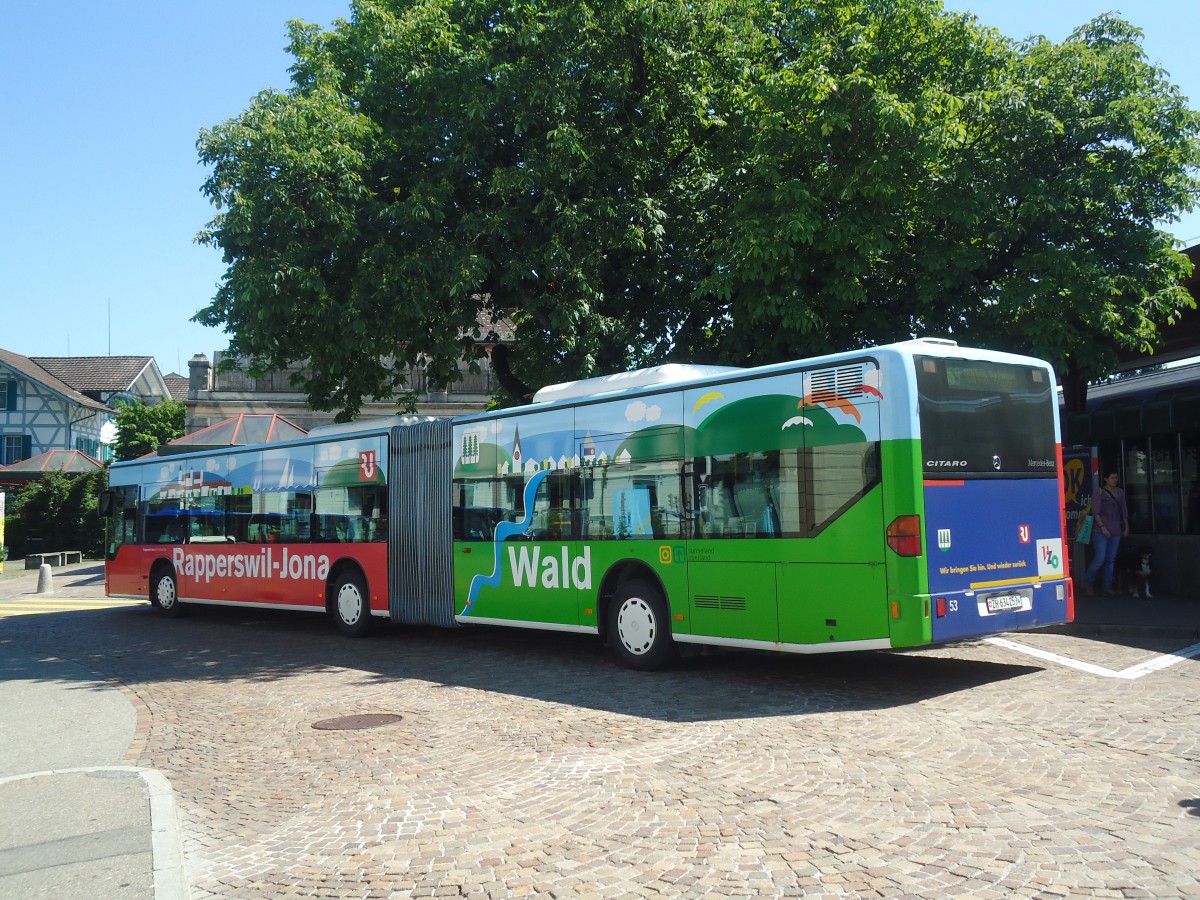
x=143 y=429
x=56 y=512
x=632 y=181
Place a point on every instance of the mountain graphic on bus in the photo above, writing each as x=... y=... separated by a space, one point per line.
x=775 y=421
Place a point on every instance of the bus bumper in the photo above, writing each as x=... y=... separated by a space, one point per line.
x=1016 y=607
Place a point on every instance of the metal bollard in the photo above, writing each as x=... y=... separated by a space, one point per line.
x=45 y=579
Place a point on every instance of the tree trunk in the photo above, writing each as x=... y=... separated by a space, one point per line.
x=516 y=388
x=1074 y=385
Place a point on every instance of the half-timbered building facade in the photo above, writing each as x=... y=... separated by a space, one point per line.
x=65 y=403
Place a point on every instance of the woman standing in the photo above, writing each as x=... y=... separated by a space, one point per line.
x=1111 y=523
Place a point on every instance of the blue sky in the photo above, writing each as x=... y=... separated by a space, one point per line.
x=102 y=104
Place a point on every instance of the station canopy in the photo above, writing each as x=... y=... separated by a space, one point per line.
x=239 y=431
x=70 y=462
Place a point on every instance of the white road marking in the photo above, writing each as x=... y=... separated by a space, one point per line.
x=45 y=605
x=1143 y=668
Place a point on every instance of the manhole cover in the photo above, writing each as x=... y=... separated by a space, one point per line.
x=349 y=723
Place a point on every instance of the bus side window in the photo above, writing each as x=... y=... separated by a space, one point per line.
x=379 y=516
x=757 y=507
x=839 y=474
x=122 y=516
x=751 y=495
x=632 y=511
x=165 y=524
x=552 y=515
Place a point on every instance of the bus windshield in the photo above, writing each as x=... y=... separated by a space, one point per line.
x=985 y=419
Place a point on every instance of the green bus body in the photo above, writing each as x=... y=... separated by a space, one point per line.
x=762 y=514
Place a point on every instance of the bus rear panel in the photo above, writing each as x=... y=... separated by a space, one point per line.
x=992 y=495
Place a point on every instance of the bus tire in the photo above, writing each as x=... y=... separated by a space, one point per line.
x=164 y=592
x=350 y=604
x=639 y=627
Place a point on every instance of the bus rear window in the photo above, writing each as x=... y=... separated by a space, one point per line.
x=985 y=419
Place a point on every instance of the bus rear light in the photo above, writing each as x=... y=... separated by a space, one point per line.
x=904 y=535
x=941 y=607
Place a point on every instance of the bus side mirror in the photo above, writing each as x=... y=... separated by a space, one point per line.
x=104 y=505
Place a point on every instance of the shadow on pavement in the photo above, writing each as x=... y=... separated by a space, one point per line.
x=136 y=645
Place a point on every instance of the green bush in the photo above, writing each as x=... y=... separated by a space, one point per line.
x=56 y=512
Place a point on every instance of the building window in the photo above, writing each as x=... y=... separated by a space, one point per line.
x=8 y=395
x=89 y=446
x=1137 y=485
x=1190 y=471
x=14 y=449
x=1161 y=477
x=1164 y=483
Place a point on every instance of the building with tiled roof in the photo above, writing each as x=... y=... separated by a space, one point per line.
x=224 y=387
x=66 y=403
x=178 y=386
x=110 y=378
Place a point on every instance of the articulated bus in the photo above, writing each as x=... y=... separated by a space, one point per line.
x=896 y=496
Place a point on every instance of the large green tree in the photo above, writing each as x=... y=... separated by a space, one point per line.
x=536 y=162
x=629 y=181
x=1076 y=265
x=913 y=173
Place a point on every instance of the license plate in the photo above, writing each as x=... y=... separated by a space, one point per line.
x=1005 y=603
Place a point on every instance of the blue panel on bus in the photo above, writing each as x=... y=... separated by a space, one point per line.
x=995 y=555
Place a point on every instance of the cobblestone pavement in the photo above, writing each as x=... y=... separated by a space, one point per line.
x=531 y=764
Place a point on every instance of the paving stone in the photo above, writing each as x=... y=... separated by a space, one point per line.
x=532 y=765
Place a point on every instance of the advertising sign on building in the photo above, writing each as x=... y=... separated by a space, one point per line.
x=1081 y=477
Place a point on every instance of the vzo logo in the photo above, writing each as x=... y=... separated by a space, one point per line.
x=1050 y=558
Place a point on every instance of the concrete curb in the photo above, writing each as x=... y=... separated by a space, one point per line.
x=166 y=847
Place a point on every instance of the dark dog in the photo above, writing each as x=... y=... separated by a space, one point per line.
x=1133 y=569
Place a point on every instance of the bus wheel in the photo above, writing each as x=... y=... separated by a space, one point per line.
x=350 y=604
x=164 y=592
x=639 y=627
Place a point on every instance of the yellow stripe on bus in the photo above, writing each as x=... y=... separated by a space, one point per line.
x=984 y=585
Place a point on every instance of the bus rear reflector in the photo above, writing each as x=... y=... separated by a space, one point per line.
x=904 y=535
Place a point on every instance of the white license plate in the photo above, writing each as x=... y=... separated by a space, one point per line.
x=1005 y=602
